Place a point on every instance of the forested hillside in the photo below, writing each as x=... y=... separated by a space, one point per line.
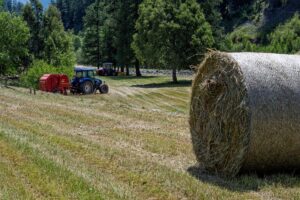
x=237 y=25
x=261 y=25
x=162 y=34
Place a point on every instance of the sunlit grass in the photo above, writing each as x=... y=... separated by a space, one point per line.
x=133 y=143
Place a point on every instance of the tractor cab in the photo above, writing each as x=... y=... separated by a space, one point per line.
x=84 y=73
x=84 y=82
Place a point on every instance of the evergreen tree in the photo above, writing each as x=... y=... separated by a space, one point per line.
x=79 y=12
x=212 y=12
x=12 y=6
x=171 y=34
x=93 y=21
x=14 y=36
x=1 y=5
x=33 y=15
x=126 y=17
x=110 y=25
x=58 y=46
x=8 y=5
x=99 y=35
x=72 y=13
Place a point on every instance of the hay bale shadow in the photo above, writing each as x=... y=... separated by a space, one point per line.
x=246 y=182
x=182 y=83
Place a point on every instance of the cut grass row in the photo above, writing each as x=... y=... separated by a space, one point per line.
x=125 y=145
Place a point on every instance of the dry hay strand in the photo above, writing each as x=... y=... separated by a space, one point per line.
x=245 y=113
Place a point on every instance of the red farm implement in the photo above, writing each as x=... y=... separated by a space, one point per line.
x=54 y=83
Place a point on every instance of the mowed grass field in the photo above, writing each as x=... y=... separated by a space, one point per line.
x=133 y=143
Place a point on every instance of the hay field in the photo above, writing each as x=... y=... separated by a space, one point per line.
x=131 y=144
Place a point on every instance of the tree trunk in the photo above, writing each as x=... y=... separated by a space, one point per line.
x=1 y=70
x=137 y=69
x=98 y=39
x=174 y=75
x=122 y=68
x=127 y=70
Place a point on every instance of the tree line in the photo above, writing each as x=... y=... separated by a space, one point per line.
x=132 y=33
x=173 y=34
x=155 y=33
x=13 y=6
x=33 y=35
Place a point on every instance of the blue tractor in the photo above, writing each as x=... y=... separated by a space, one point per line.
x=84 y=82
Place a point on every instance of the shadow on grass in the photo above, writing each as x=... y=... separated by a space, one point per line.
x=8 y=87
x=130 y=77
x=247 y=182
x=183 y=83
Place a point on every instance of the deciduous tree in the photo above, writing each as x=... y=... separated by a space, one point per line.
x=171 y=34
x=14 y=36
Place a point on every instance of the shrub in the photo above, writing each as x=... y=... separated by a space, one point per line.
x=37 y=69
x=244 y=38
x=286 y=37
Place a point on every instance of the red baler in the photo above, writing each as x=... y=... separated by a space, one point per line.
x=54 y=83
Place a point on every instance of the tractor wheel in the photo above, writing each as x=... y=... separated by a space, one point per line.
x=104 y=89
x=87 y=87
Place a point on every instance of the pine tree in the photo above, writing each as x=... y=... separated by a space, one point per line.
x=12 y=6
x=212 y=12
x=1 y=5
x=72 y=12
x=126 y=17
x=33 y=15
x=110 y=25
x=58 y=46
x=93 y=21
x=8 y=5
x=79 y=12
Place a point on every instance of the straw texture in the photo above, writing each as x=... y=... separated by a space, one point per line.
x=245 y=112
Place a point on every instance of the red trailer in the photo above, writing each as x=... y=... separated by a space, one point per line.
x=54 y=83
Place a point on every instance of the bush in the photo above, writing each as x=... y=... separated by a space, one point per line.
x=286 y=37
x=38 y=68
x=244 y=38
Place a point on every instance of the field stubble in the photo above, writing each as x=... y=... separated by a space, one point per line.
x=133 y=143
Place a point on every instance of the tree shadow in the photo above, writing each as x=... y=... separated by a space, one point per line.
x=129 y=77
x=182 y=83
x=247 y=182
x=11 y=88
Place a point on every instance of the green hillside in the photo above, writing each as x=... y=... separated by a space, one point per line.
x=262 y=25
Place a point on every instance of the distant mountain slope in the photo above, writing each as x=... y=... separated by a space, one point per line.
x=262 y=20
x=276 y=13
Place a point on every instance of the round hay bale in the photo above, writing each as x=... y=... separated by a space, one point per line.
x=245 y=113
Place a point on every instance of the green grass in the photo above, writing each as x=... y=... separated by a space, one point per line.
x=133 y=143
